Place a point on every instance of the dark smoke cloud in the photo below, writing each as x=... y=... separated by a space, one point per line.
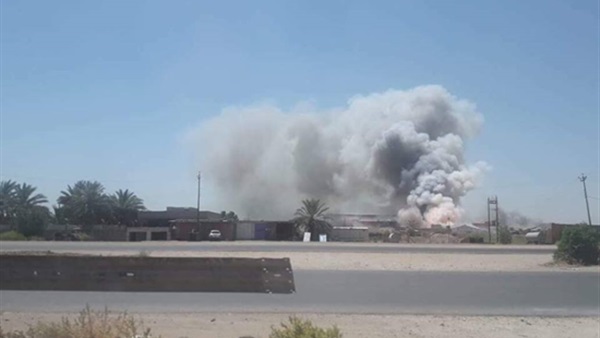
x=516 y=219
x=393 y=152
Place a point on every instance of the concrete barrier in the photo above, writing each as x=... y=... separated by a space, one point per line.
x=133 y=274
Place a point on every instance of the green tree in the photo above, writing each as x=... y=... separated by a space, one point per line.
x=309 y=218
x=579 y=245
x=125 y=206
x=229 y=216
x=22 y=208
x=7 y=200
x=32 y=221
x=86 y=203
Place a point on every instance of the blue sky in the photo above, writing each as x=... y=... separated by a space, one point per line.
x=106 y=90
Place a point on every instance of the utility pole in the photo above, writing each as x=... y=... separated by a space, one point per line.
x=489 y=222
x=492 y=201
x=582 y=178
x=497 y=220
x=198 y=203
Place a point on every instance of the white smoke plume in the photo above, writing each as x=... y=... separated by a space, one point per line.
x=399 y=152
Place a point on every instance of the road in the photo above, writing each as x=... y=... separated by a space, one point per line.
x=253 y=246
x=372 y=292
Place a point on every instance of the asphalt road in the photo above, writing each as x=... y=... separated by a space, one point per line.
x=372 y=292
x=254 y=246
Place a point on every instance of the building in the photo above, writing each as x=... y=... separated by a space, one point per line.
x=265 y=230
x=192 y=230
x=468 y=229
x=138 y=234
x=147 y=218
x=368 y=220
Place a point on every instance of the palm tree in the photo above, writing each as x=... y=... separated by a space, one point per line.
x=125 y=206
x=7 y=200
x=22 y=208
x=310 y=218
x=26 y=198
x=85 y=203
x=127 y=200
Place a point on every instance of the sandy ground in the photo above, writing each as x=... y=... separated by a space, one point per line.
x=409 y=261
x=385 y=261
x=352 y=326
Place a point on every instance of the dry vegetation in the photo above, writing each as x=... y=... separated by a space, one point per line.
x=104 y=324
x=88 y=324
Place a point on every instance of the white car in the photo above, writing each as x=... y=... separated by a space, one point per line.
x=214 y=235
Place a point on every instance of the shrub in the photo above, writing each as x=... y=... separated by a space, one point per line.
x=84 y=237
x=298 y=328
x=12 y=236
x=89 y=324
x=476 y=238
x=578 y=245
x=504 y=235
x=32 y=221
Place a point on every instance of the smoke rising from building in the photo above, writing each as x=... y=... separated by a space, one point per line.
x=396 y=152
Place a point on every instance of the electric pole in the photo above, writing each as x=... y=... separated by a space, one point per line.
x=198 y=203
x=582 y=178
x=497 y=220
x=492 y=201
x=489 y=222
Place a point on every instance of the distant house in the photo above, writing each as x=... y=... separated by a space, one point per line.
x=368 y=220
x=147 y=218
x=137 y=234
x=190 y=229
x=482 y=225
x=265 y=230
x=467 y=229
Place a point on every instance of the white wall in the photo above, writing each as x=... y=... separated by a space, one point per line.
x=350 y=234
x=244 y=231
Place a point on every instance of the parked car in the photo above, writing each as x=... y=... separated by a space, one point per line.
x=214 y=235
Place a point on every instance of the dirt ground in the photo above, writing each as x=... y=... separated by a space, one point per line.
x=408 y=261
x=353 y=326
